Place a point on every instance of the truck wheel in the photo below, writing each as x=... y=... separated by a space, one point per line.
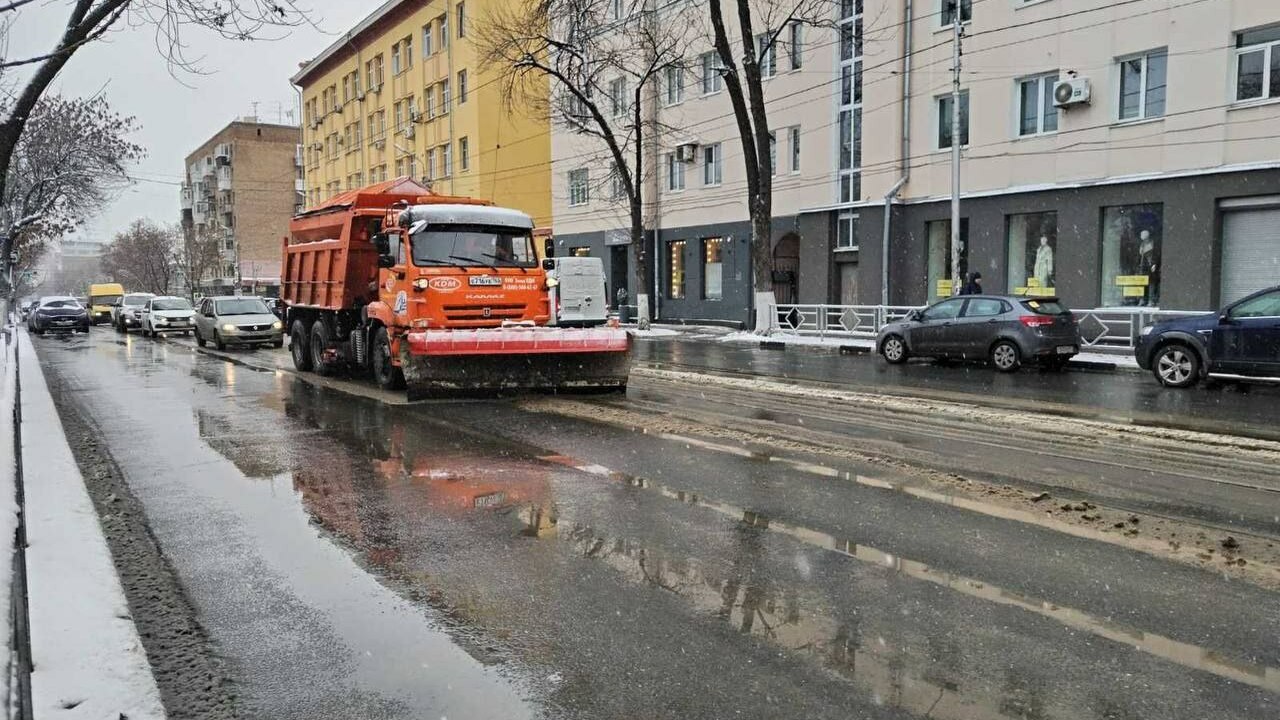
x=389 y=376
x=299 y=346
x=320 y=343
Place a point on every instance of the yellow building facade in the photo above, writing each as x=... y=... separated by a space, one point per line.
x=403 y=94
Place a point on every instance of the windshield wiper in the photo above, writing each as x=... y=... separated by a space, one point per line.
x=478 y=262
x=512 y=262
x=440 y=262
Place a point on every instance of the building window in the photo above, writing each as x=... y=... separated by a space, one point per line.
x=407 y=52
x=948 y=14
x=712 y=80
x=446 y=160
x=673 y=78
x=767 y=54
x=849 y=115
x=795 y=48
x=460 y=17
x=413 y=166
x=462 y=86
x=938 y=233
x=618 y=96
x=1131 y=237
x=346 y=89
x=793 y=134
x=579 y=187
x=429 y=98
x=847 y=232
x=617 y=189
x=712 y=164
x=617 y=9
x=431 y=163
x=1143 y=86
x=1258 y=64
x=712 y=268
x=675 y=269
x=400 y=167
x=373 y=69
x=443 y=22
x=426 y=41
x=1036 y=112
x=675 y=173
x=944 y=120
x=395 y=59
x=464 y=154
x=444 y=96
x=1031 y=240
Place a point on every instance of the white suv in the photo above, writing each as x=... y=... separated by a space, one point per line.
x=166 y=314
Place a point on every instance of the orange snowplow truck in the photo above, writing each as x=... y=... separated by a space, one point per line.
x=443 y=295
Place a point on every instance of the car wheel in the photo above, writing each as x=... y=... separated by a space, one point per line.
x=388 y=375
x=218 y=342
x=1005 y=356
x=1176 y=366
x=894 y=349
x=320 y=343
x=299 y=347
x=200 y=341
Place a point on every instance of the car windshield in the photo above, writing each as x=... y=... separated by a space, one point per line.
x=1045 y=307
x=241 y=306
x=136 y=299
x=61 y=303
x=171 y=304
x=474 y=245
x=106 y=299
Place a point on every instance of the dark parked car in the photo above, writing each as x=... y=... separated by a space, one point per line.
x=58 y=314
x=1242 y=339
x=1008 y=331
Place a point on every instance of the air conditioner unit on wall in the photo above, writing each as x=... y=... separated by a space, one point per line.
x=1072 y=91
x=688 y=152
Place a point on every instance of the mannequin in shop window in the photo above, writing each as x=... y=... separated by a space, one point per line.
x=1044 y=263
x=1149 y=265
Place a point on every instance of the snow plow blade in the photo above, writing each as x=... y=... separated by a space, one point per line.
x=452 y=362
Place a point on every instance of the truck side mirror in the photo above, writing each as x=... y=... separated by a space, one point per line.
x=548 y=263
x=386 y=261
x=382 y=244
x=549 y=247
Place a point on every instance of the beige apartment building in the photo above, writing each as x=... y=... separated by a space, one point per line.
x=1155 y=181
x=242 y=187
x=1151 y=180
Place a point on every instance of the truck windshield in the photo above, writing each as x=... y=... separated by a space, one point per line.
x=474 y=245
x=106 y=299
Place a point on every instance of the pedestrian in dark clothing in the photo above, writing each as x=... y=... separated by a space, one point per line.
x=973 y=286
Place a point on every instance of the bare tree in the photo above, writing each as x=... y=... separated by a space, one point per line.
x=602 y=60
x=68 y=163
x=145 y=258
x=199 y=254
x=89 y=20
x=743 y=78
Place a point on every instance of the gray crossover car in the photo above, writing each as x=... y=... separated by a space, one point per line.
x=1008 y=331
x=237 y=320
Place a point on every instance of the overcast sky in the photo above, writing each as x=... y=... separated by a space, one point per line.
x=177 y=115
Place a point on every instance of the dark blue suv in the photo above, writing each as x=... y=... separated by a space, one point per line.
x=1242 y=339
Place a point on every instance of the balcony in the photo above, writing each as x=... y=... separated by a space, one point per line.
x=299 y=185
x=224 y=178
x=187 y=198
x=298 y=157
x=222 y=153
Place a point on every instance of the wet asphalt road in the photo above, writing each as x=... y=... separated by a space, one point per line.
x=355 y=559
x=1240 y=409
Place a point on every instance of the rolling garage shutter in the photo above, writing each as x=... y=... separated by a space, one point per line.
x=1250 y=251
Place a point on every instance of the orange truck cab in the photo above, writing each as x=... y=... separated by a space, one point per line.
x=443 y=294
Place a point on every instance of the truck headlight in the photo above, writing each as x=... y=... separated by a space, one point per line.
x=552 y=282
x=1147 y=330
x=231 y=328
x=420 y=284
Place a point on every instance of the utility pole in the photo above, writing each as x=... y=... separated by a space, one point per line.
x=957 y=32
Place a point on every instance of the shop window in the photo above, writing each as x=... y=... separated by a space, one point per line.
x=939 y=235
x=1131 y=236
x=712 y=268
x=580 y=252
x=675 y=269
x=1032 y=243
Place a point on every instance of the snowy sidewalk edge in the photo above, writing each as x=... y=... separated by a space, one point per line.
x=88 y=660
x=8 y=512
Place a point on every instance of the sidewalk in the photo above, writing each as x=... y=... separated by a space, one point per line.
x=87 y=658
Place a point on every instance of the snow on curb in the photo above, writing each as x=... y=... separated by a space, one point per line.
x=88 y=661
x=8 y=505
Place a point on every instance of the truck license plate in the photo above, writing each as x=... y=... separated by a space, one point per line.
x=1066 y=349
x=490 y=500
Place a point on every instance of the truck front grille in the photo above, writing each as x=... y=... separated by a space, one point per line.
x=477 y=316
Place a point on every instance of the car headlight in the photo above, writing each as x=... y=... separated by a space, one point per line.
x=277 y=325
x=229 y=328
x=1147 y=330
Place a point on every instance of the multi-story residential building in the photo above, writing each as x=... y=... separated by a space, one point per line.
x=1160 y=186
x=242 y=187
x=1157 y=184
x=404 y=94
x=696 y=199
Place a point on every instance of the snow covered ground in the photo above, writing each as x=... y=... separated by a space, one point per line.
x=8 y=504
x=88 y=661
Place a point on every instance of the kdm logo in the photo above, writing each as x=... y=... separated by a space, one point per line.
x=445 y=284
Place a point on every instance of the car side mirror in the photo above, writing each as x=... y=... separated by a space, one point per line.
x=914 y=316
x=1225 y=319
